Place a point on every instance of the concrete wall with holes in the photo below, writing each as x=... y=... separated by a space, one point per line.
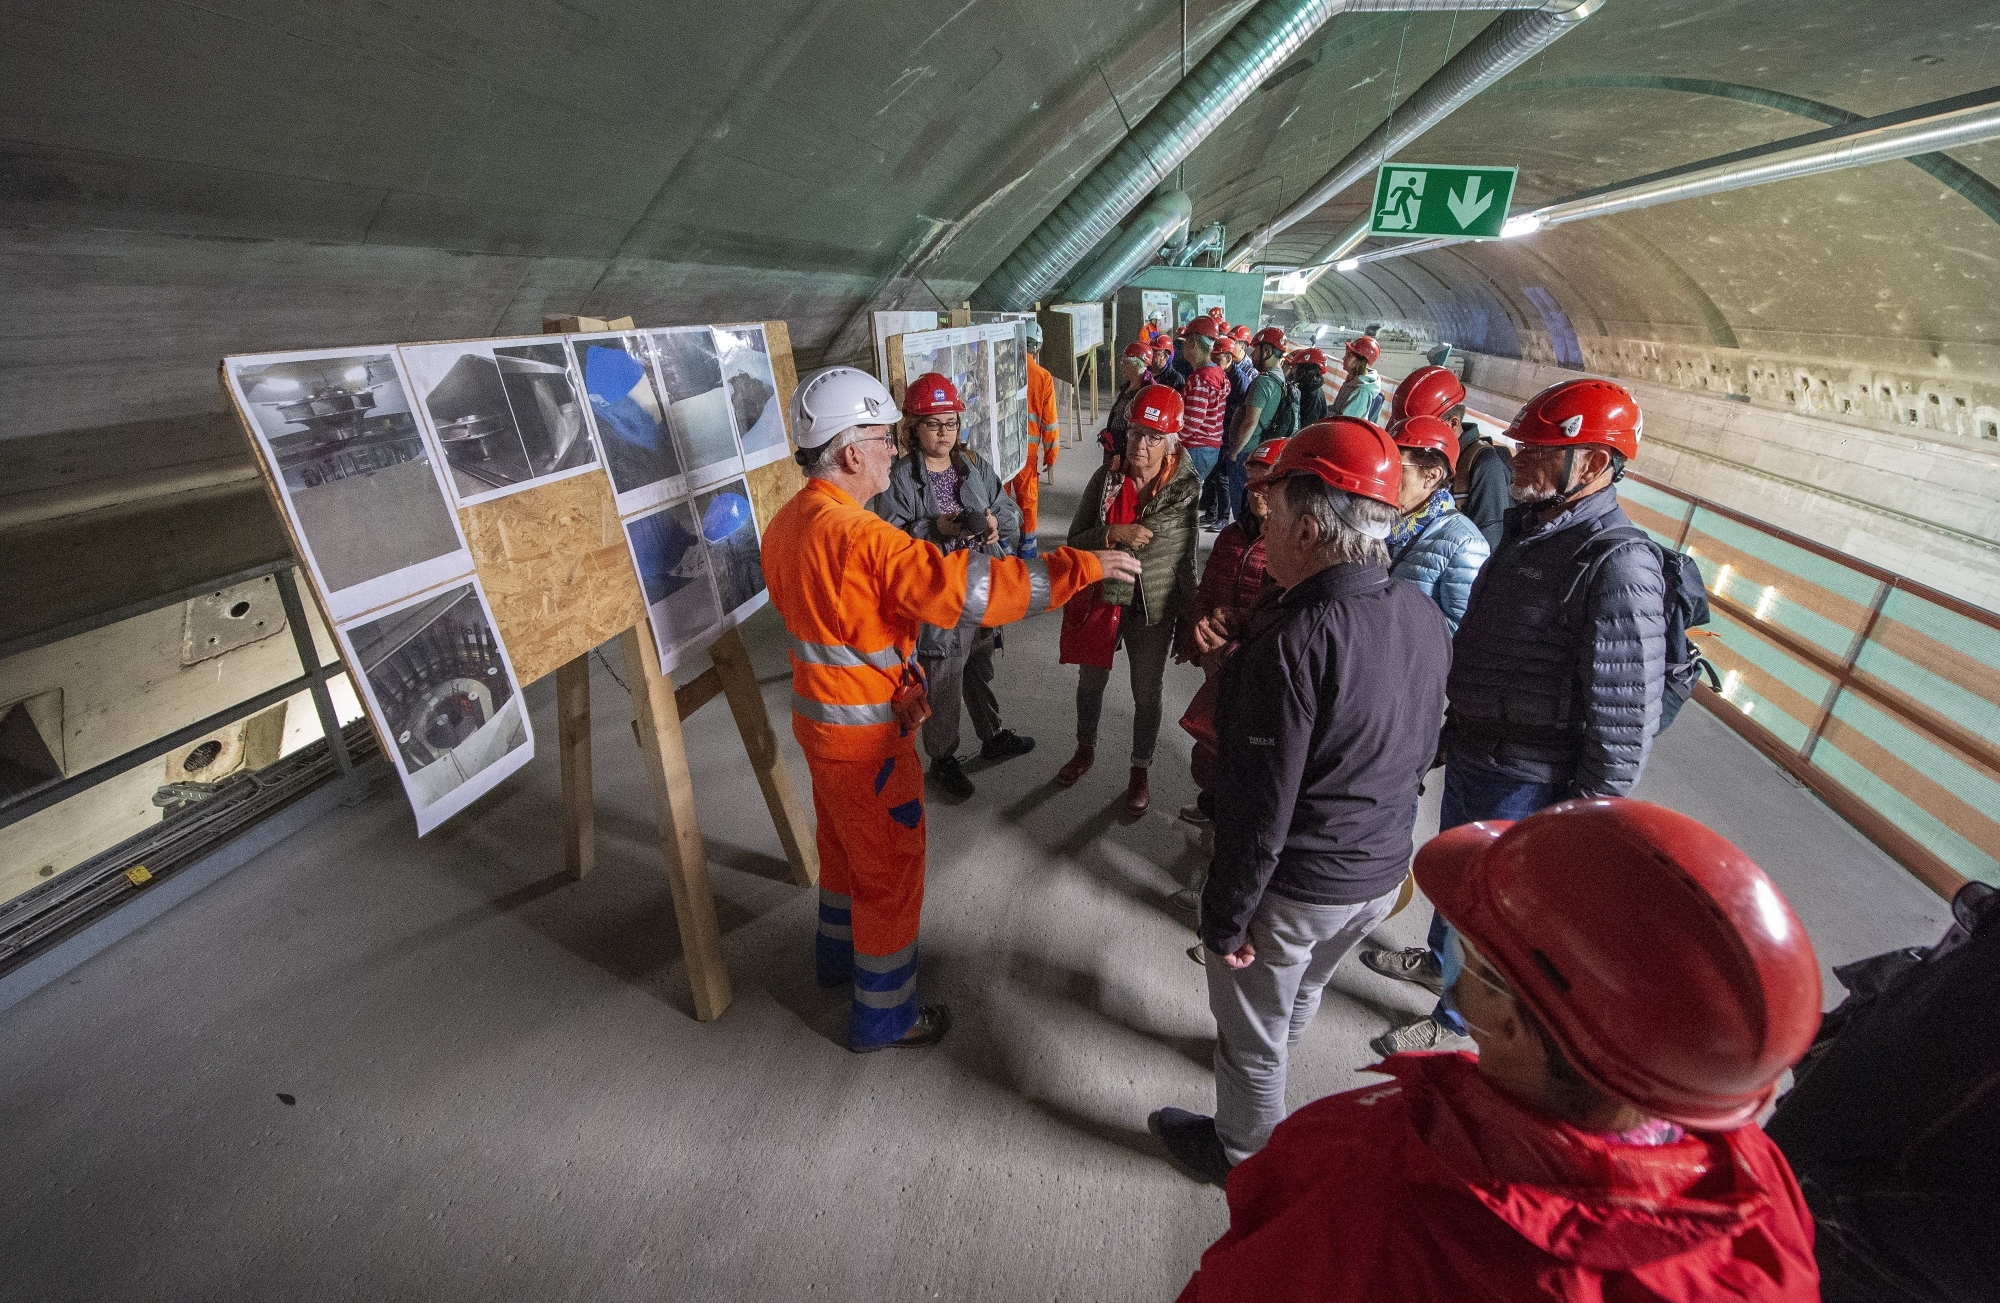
x=103 y=693
x=1920 y=499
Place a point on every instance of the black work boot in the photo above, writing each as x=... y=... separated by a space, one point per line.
x=951 y=780
x=1005 y=745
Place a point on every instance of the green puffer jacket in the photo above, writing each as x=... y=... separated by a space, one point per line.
x=1167 y=563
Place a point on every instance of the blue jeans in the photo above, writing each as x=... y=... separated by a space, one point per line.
x=1471 y=795
x=1238 y=469
x=1204 y=460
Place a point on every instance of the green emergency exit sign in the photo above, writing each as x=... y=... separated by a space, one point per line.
x=1425 y=199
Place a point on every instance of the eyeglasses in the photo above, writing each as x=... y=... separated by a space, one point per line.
x=1150 y=437
x=938 y=425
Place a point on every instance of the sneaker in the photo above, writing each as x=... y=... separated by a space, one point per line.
x=1186 y=902
x=1195 y=952
x=933 y=1021
x=1195 y=815
x=1005 y=745
x=1191 y=1144
x=1426 y=1033
x=950 y=778
x=1417 y=964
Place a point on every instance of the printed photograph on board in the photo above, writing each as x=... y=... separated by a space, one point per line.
x=729 y=528
x=972 y=364
x=339 y=437
x=753 y=392
x=690 y=370
x=629 y=417
x=673 y=564
x=1010 y=387
x=445 y=695
x=506 y=415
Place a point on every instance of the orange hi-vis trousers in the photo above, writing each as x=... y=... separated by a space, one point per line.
x=871 y=886
x=1026 y=490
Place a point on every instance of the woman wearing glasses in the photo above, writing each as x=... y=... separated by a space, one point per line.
x=1146 y=507
x=940 y=491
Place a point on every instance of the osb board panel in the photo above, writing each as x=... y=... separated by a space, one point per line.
x=772 y=486
x=556 y=570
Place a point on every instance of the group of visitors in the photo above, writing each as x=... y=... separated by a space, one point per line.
x=1633 y=984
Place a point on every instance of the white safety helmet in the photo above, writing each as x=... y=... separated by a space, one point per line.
x=1035 y=336
x=836 y=399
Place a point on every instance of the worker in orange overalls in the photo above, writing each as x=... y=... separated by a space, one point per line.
x=853 y=589
x=1044 y=440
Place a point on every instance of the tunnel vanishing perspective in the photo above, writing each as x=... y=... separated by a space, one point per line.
x=393 y=434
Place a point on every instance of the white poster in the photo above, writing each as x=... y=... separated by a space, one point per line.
x=886 y=324
x=1087 y=332
x=1158 y=308
x=506 y=414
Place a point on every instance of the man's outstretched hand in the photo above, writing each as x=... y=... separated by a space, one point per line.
x=1119 y=565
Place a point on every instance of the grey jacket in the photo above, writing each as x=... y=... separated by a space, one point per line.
x=1558 y=665
x=908 y=505
x=1444 y=561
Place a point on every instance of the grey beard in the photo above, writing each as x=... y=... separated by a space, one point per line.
x=1529 y=497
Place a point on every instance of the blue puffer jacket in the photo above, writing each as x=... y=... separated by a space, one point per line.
x=1443 y=561
x=1557 y=667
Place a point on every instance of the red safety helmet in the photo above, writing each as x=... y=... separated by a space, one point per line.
x=1139 y=349
x=1429 y=432
x=1241 y=334
x=1426 y=391
x=1267 y=453
x=1580 y=412
x=1311 y=357
x=1215 y=314
x=1203 y=326
x=1365 y=346
x=1271 y=336
x=1224 y=347
x=1346 y=453
x=1666 y=966
x=1157 y=408
x=931 y=394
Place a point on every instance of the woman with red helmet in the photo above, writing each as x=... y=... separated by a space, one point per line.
x=1361 y=393
x=942 y=492
x=1146 y=507
x=1434 y=545
x=1134 y=374
x=1636 y=987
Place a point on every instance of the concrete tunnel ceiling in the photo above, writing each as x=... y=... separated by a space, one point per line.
x=182 y=182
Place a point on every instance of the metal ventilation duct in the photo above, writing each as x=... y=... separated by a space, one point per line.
x=1507 y=43
x=1167 y=216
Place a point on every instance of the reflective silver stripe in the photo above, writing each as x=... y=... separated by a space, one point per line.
x=886 y=963
x=835 y=899
x=821 y=712
x=1038 y=587
x=886 y=999
x=839 y=931
x=840 y=654
x=978 y=589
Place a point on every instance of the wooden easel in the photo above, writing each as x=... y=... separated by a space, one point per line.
x=561 y=583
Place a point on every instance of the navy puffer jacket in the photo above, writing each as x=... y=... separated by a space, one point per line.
x=1557 y=667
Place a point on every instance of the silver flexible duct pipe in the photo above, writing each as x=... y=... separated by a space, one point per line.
x=1157 y=224
x=1252 y=50
x=1213 y=236
x=1507 y=43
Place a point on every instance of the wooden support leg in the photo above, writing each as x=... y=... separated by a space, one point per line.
x=753 y=721
x=659 y=725
x=573 y=731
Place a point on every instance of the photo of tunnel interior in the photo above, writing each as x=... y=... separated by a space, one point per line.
x=729 y=531
x=753 y=390
x=505 y=416
x=629 y=415
x=698 y=402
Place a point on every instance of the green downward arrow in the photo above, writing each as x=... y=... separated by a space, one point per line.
x=1468 y=203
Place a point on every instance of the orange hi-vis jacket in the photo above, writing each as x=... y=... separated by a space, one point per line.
x=853 y=589
x=1044 y=422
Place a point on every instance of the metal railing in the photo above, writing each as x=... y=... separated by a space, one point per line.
x=1879 y=694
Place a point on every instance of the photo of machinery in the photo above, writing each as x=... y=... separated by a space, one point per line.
x=505 y=415
x=353 y=472
x=444 y=696
x=674 y=570
x=735 y=557
x=690 y=368
x=1010 y=396
x=629 y=415
x=753 y=392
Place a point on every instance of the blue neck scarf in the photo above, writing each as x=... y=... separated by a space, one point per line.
x=1406 y=528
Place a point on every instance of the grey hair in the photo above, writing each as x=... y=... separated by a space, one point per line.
x=1332 y=509
x=822 y=464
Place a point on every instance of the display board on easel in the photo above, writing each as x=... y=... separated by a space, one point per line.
x=1071 y=334
x=989 y=366
x=473 y=515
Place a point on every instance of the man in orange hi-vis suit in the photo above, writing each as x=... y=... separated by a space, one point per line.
x=1044 y=440
x=853 y=589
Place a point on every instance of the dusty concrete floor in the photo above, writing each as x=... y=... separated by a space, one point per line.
x=500 y=1091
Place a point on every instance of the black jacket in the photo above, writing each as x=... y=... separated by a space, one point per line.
x=1326 y=719
x=1558 y=664
x=1484 y=485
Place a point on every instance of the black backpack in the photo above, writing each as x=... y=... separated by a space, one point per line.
x=1687 y=608
x=1285 y=421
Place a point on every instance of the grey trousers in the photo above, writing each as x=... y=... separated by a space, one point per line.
x=1262 y=1011
x=1146 y=649
x=965 y=677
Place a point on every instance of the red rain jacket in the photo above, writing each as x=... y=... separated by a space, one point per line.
x=1438 y=1186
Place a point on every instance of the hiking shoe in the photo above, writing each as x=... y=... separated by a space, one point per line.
x=1186 y=902
x=950 y=778
x=1417 y=964
x=1195 y=815
x=1191 y=1144
x=1426 y=1033
x=1005 y=745
x=933 y=1021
